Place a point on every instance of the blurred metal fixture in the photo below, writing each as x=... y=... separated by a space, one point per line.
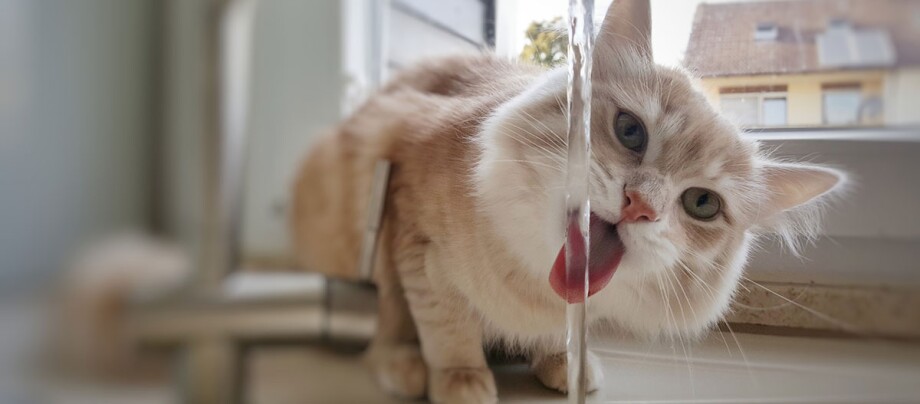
x=211 y=363
x=375 y=208
x=229 y=40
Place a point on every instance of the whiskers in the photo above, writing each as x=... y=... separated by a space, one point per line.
x=697 y=283
x=837 y=323
x=710 y=291
x=531 y=162
x=550 y=147
x=685 y=279
x=688 y=345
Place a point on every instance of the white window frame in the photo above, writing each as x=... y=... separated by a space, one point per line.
x=761 y=96
x=843 y=90
x=364 y=40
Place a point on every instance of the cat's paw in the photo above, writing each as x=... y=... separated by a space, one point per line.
x=399 y=369
x=462 y=385
x=553 y=372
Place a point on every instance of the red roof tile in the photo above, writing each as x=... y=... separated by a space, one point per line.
x=722 y=41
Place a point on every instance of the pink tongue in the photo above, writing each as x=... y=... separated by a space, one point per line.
x=605 y=255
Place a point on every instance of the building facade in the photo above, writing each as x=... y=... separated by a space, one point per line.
x=809 y=63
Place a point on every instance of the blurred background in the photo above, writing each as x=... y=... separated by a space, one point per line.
x=147 y=148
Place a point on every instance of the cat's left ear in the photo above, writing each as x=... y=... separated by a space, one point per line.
x=628 y=24
x=791 y=185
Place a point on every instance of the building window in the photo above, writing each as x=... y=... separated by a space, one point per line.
x=774 y=111
x=755 y=106
x=766 y=31
x=841 y=104
x=842 y=45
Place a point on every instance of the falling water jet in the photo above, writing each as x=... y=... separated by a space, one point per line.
x=578 y=208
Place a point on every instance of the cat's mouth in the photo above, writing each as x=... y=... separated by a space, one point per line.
x=603 y=259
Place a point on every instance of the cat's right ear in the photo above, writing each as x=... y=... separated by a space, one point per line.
x=627 y=25
x=792 y=185
x=793 y=200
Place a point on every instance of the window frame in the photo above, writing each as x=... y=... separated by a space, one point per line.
x=365 y=29
x=841 y=89
x=761 y=96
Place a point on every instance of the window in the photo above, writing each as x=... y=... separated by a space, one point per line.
x=422 y=29
x=842 y=45
x=766 y=32
x=842 y=104
x=755 y=106
x=742 y=109
x=774 y=111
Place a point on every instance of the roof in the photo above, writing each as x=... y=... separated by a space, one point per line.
x=864 y=34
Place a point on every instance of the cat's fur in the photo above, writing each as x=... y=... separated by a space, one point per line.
x=475 y=208
x=89 y=326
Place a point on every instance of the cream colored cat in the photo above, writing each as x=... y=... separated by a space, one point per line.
x=474 y=216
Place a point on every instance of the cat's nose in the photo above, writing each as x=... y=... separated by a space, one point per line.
x=636 y=209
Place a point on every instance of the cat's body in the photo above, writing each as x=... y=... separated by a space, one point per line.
x=474 y=216
x=428 y=122
x=433 y=137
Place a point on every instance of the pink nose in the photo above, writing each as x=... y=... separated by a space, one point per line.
x=635 y=209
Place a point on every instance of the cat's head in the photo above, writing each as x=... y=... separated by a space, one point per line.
x=672 y=183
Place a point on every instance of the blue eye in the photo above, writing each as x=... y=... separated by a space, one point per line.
x=630 y=132
x=701 y=203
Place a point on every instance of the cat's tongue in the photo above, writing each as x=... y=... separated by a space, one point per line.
x=604 y=258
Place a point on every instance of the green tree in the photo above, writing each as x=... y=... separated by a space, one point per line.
x=548 y=43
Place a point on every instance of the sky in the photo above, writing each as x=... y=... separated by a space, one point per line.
x=672 y=21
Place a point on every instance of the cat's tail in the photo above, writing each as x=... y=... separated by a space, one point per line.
x=329 y=204
x=93 y=299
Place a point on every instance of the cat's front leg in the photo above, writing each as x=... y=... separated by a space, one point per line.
x=451 y=339
x=394 y=354
x=550 y=367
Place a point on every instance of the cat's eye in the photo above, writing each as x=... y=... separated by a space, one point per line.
x=630 y=132
x=701 y=203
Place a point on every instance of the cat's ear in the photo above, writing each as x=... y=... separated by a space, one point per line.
x=791 y=185
x=628 y=24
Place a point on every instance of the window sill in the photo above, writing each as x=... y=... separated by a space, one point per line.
x=810 y=309
x=849 y=133
x=770 y=370
x=746 y=368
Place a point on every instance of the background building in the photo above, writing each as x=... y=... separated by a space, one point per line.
x=809 y=63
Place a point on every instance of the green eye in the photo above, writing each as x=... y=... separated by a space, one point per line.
x=630 y=132
x=701 y=203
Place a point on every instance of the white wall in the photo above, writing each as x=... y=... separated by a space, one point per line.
x=75 y=115
x=296 y=87
x=901 y=89
x=872 y=234
x=180 y=175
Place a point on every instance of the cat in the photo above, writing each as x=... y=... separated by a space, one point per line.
x=93 y=298
x=475 y=209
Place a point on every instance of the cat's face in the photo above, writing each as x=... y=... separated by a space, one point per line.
x=673 y=181
x=657 y=142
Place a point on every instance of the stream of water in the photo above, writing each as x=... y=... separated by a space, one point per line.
x=578 y=207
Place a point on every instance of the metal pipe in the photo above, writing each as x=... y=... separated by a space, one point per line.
x=229 y=45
